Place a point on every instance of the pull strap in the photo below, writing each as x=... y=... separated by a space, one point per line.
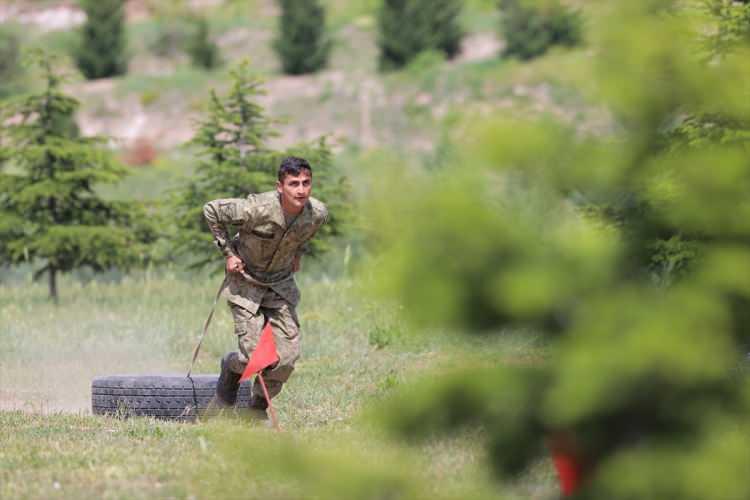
x=207 y=322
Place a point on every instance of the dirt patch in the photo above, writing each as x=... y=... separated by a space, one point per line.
x=171 y=122
x=63 y=16
x=480 y=47
x=126 y=122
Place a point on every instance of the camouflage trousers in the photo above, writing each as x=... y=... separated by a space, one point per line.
x=285 y=325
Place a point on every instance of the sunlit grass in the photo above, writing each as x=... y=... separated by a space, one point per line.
x=355 y=351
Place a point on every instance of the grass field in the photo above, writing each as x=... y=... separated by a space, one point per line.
x=355 y=351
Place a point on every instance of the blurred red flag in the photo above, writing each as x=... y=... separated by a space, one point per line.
x=566 y=456
x=264 y=354
x=568 y=471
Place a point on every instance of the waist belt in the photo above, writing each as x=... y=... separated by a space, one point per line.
x=266 y=280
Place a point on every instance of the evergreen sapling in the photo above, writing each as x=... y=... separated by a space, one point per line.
x=102 y=47
x=50 y=212
x=302 y=43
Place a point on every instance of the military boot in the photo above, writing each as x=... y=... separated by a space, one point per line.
x=258 y=406
x=258 y=402
x=229 y=381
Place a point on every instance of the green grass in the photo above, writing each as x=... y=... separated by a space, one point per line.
x=355 y=351
x=184 y=79
x=79 y=456
x=480 y=15
x=152 y=182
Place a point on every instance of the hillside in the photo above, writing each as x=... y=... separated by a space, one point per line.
x=157 y=102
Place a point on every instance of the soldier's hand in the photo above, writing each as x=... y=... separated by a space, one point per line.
x=235 y=264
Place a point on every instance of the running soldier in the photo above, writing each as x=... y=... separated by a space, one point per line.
x=274 y=229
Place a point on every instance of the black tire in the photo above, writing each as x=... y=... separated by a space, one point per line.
x=170 y=397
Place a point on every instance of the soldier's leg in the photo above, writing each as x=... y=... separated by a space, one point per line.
x=233 y=363
x=285 y=327
x=247 y=327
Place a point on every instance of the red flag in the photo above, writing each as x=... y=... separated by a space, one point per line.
x=569 y=472
x=264 y=354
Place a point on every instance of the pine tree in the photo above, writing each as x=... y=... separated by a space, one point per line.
x=50 y=212
x=236 y=161
x=102 y=49
x=203 y=52
x=408 y=27
x=446 y=24
x=531 y=28
x=302 y=42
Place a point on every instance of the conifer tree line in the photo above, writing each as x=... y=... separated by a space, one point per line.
x=53 y=218
x=232 y=140
x=303 y=41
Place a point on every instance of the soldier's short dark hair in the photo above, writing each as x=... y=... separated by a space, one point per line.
x=291 y=165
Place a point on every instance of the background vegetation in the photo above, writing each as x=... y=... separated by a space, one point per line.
x=302 y=42
x=407 y=28
x=102 y=47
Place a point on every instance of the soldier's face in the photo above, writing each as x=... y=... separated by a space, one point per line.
x=295 y=190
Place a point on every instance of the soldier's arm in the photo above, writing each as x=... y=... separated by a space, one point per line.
x=224 y=212
x=304 y=248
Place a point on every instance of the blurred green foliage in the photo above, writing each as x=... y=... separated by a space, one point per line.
x=11 y=70
x=531 y=27
x=580 y=237
x=408 y=27
x=302 y=41
x=173 y=28
x=731 y=24
x=337 y=466
x=180 y=29
x=203 y=52
x=50 y=213
x=102 y=48
x=236 y=160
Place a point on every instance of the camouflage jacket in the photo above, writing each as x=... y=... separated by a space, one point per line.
x=264 y=242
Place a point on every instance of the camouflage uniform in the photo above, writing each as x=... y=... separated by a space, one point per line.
x=268 y=246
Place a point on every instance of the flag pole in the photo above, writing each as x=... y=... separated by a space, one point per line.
x=271 y=411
